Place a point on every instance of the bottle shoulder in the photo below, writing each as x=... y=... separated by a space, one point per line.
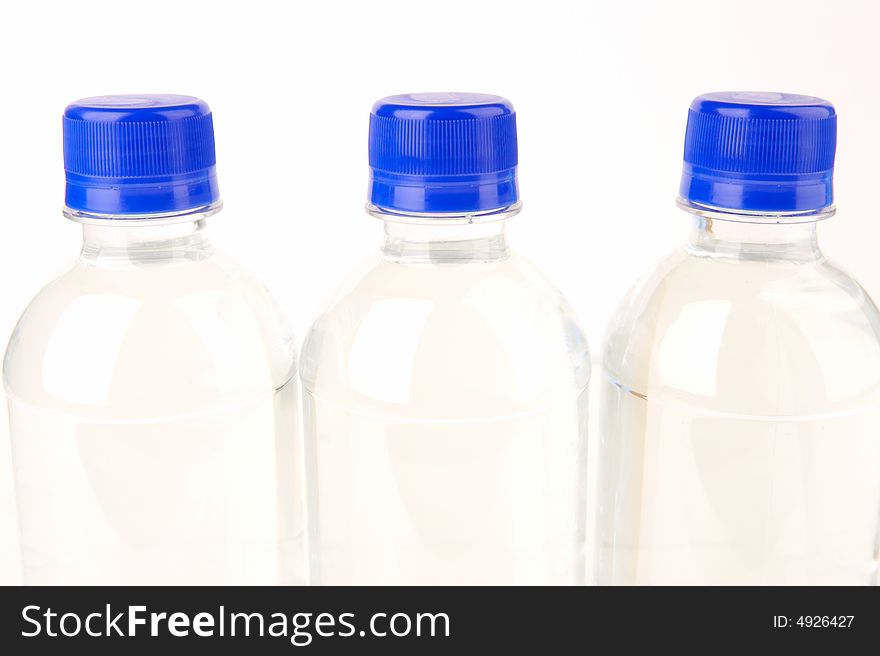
x=395 y=331
x=445 y=279
x=696 y=324
x=173 y=336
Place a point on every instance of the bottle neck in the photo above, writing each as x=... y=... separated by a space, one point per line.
x=755 y=237
x=122 y=243
x=445 y=239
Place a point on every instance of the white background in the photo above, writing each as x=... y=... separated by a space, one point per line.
x=601 y=91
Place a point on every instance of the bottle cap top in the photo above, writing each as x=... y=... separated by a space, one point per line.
x=139 y=154
x=443 y=153
x=759 y=152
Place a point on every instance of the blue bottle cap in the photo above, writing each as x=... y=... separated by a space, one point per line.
x=759 y=152
x=139 y=154
x=443 y=153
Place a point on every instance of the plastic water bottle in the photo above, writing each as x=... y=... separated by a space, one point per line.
x=741 y=395
x=445 y=386
x=151 y=392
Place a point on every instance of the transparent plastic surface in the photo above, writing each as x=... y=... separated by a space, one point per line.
x=740 y=424
x=152 y=403
x=445 y=417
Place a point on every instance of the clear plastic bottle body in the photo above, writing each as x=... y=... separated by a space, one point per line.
x=740 y=423
x=152 y=402
x=445 y=416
